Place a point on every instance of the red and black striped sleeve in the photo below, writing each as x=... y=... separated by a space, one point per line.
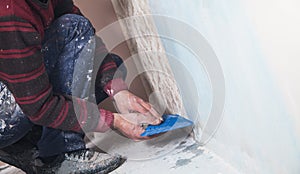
x=108 y=77
x=22 y=69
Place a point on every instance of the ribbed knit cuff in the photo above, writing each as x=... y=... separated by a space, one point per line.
x=105 y=122
x=115 y=86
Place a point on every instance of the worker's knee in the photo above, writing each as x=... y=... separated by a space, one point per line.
x=75 y=26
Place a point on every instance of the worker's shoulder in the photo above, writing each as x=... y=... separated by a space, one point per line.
x=34 y=12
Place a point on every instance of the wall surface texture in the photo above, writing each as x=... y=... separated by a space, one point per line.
x=149 y=55
x=256 y=45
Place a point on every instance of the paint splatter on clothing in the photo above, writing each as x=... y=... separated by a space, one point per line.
x=22 y=69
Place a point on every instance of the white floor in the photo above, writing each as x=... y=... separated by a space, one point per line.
x=173 y=152
x=10 y=170
x=188 y=157
x=178 y=155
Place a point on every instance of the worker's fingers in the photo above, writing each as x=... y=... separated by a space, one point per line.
x=156 y=121
x=138 y=119
x=146 y=105
x=137 y=107
x=155 y=113
x=150 y=108
x=132 y=131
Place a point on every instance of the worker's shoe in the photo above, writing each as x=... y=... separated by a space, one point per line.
x=22 y=153
x=80 y=162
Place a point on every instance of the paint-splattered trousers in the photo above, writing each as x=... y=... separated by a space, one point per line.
x=69 y=62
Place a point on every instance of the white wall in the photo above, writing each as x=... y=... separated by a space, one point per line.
x=256 y=42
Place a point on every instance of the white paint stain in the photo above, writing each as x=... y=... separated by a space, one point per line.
x=2 y=125
x=89 y=78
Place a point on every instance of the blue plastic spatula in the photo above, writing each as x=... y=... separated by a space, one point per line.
x=171 y=122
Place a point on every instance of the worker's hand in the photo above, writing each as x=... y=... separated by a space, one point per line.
x=130 y=124
x=126 y=102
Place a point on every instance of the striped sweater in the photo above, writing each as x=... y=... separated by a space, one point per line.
x=22 y=25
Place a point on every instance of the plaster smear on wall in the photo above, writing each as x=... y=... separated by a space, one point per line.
x=258 y=131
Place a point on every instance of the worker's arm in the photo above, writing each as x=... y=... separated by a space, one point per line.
x=22 y=69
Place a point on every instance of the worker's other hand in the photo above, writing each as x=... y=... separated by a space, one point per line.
x=130 y=124
x=126 y=102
